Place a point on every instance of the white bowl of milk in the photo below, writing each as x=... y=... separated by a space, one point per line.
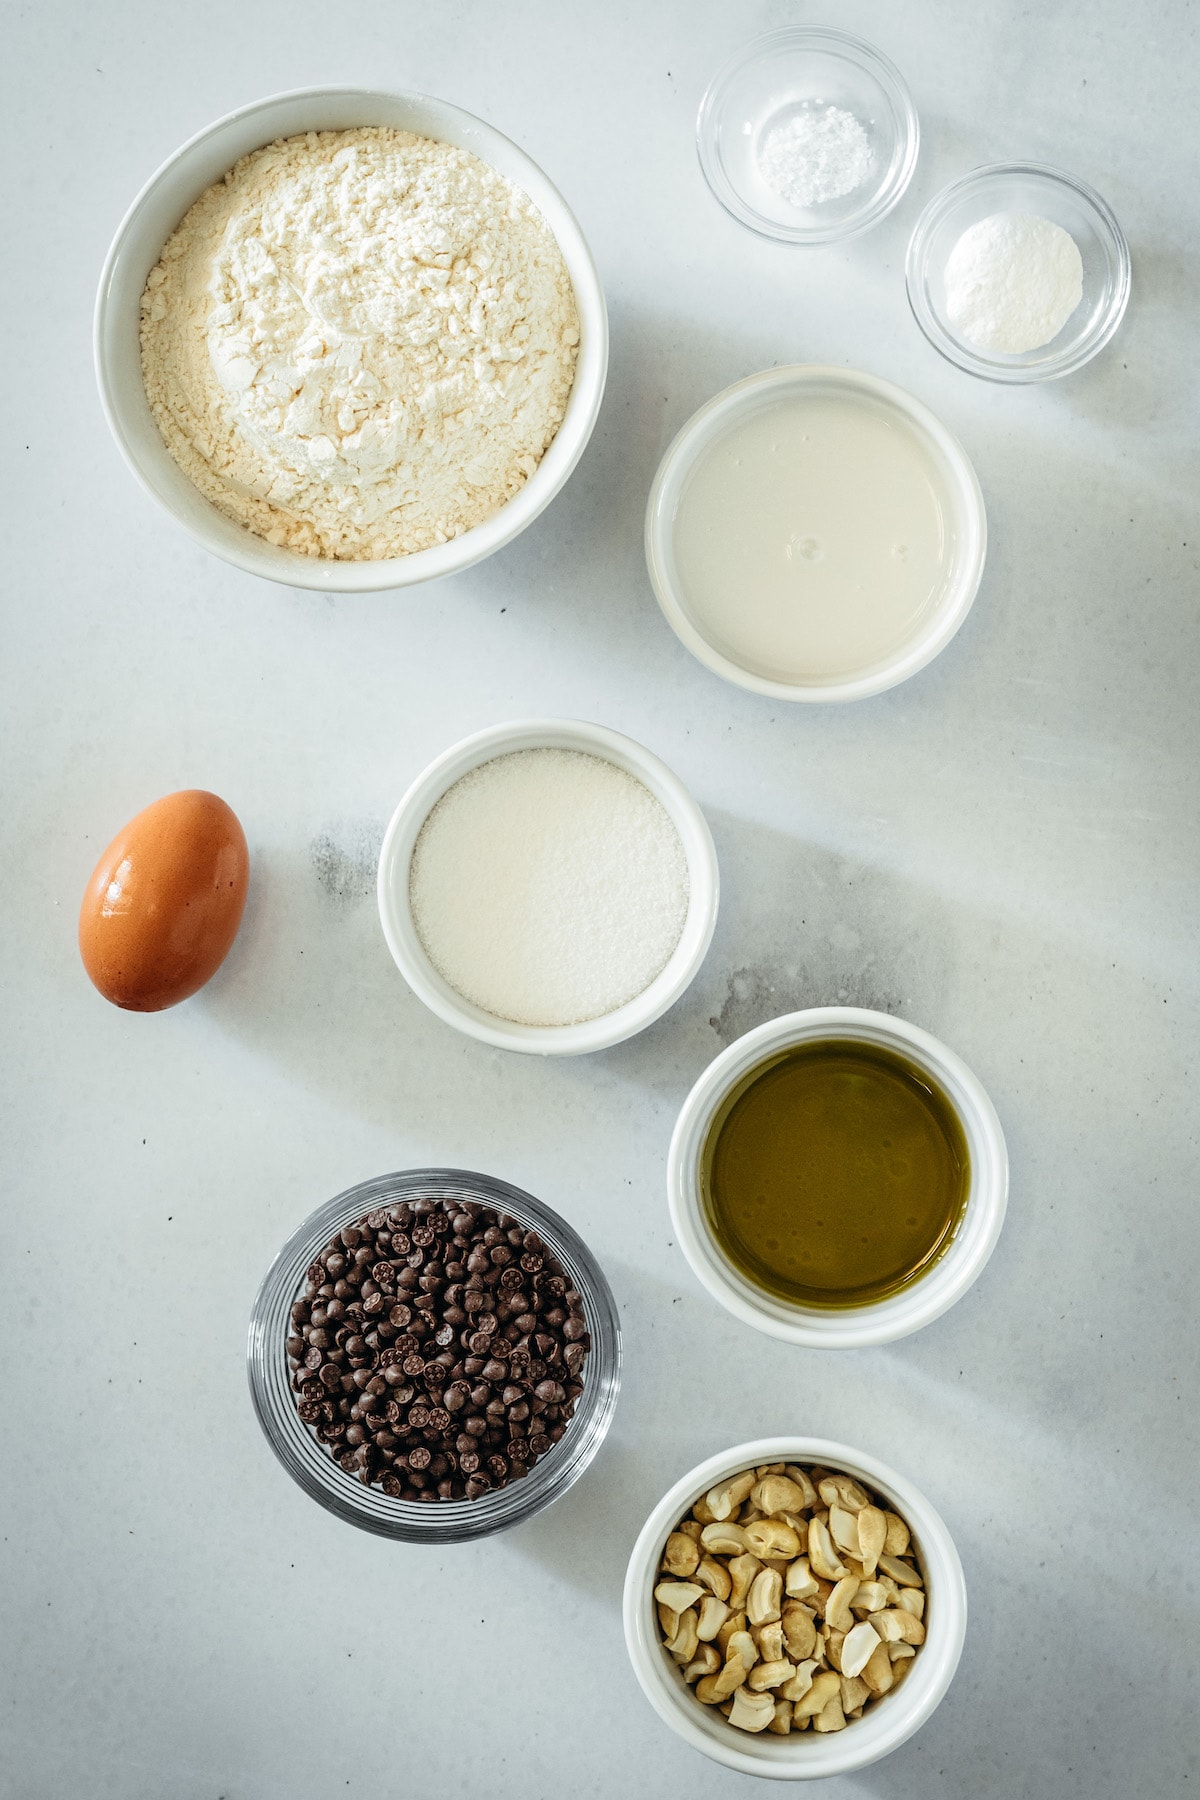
x=815 y=533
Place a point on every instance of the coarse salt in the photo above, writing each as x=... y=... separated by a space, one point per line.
x=549 y=887
x=820 y=153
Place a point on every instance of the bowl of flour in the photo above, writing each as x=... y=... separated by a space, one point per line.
x=351 y=340
x=548 y=886
x=1018 y=273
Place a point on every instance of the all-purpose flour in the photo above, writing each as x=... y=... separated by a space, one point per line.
x=359 y=343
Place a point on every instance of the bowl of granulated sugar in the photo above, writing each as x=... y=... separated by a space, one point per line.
x=548 y=886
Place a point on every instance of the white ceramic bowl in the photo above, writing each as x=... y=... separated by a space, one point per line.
x=154 y=215
x=931 y=1294
x=960 y=500
x=801 y=1756
x=401 y=933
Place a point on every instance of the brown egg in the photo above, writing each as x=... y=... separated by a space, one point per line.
x=165 y=901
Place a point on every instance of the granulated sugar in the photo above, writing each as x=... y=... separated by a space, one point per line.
x=549 y=887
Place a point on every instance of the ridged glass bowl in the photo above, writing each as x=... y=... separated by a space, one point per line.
x=310 y=1464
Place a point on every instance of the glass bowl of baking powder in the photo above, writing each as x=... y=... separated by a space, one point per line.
x=808 y=135
x=152 y=219
x=1042 y=203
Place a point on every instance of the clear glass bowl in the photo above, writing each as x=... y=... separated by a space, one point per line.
x=1048 y=194
x=776 y=77
x=310 y=1464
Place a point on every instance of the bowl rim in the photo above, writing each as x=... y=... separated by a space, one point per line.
x=798 y=1757
x=948 y=1278
x=1008 y=373
x=471 y=752
x=243 y=548
x=311 y=1469
x=691 y=442
x=832 y=41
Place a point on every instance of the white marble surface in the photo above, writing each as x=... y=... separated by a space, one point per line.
x=1004 y=850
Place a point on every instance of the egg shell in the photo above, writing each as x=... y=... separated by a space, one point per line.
x=165 y=901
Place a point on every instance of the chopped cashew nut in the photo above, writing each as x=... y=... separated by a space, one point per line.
x=742 y=1646
x=897 y=1540
x=855 y=1694
x=902 y=1572
x=713 y=1614
x=877 y=1672
x=767 y=1538
x=872 y=1536
x=770 y=1675
x=837 y=1611
x=843 y=1490
x=799 y=1630
x=684 y=1644
x=843 y=1529
x=706 y=1662
x=715 y=1576
x=799 y=1581
x=681 y=1556
x=803 y=1482
x=833 y=1718
x=801 y=1681
x=858 y=1647
x=723 y=1538
x=764 y=1600
x=822 y=1689
x=822 y=1557
x=769 y=1639
x=676 y=1596
x=752 y=1712
x=727 y=1496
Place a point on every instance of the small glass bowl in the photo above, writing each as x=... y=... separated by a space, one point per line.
x=310 y=1464
x=772 y=79
x=1049 y=194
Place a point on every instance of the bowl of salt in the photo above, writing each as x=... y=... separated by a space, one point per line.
x=548 y=886
x=808 y=135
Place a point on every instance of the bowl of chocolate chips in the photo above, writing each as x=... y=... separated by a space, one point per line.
x=434 y=1355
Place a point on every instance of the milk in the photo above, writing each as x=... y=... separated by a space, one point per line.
x=811 y=539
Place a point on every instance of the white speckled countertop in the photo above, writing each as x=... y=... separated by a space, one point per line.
x=1004 y=850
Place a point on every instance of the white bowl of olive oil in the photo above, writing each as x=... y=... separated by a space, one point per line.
x=837 y=1178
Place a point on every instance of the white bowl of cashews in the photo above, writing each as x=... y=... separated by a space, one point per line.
x=889 y=1719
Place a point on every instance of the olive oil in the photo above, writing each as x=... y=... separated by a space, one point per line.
x=835 y=1173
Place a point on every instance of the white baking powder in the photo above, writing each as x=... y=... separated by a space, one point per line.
x=1012 y=282
x=820 y=153
x=359 y=343
x=549 y=887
